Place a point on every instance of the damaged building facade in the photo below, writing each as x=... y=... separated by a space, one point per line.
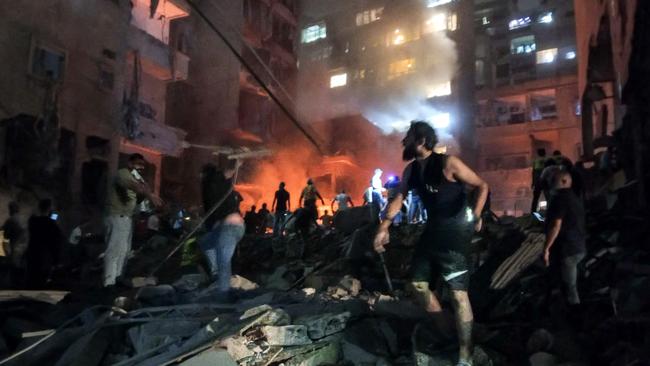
x=154 y=79
x=527 y=93
x=389 y=61
x=84 y=85
x=221 y=102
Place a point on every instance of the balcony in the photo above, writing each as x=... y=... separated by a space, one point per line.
x=284 y=12
x=157 y=25
x=158 y=138
x=155 y=57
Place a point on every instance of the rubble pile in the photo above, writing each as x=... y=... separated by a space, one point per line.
x=324 y=300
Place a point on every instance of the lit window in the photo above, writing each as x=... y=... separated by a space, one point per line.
x=314 y=32
x=547 y=56
x=338 y=80
x=452 y=22
x=485 y=21
x=519 y=23
x=439 y=90
x=434 y=3
x=523 y=45
x=441 y=120
x=546 y=18
x=369 y=16
x=440 y=22
x=402 y=67
x=570 y=55
x=398 y=37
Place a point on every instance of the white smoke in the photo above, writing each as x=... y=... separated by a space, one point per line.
x=394 y=107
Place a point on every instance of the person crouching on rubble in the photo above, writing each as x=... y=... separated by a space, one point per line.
x=565 y=230
x=225 y=225
x=440 y=182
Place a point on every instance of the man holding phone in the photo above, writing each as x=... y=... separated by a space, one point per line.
x=127 y=185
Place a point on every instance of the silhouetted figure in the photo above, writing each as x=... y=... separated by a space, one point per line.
x=538 y=167
x=251 y=220
x=308 y=199
x=45 y=242
x=281 y=205
x=262 y=219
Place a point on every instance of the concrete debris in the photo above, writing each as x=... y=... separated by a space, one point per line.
x=137 y=282
x=329 y=306
x=351 y=285
x=288 y=335
x=240 y=283
x=151 y=335
x=211 y=357
x=323 y=325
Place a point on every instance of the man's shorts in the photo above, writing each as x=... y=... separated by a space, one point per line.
x=443 y=251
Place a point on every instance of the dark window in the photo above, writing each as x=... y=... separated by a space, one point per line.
x=106 y=79
x=109 y=54
x=47 y=63
x=503 y=70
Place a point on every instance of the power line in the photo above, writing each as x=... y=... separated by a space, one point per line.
x=257 y=78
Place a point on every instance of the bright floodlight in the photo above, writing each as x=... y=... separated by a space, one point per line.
x=441 y=120
x=546 y=17
x=338 y=80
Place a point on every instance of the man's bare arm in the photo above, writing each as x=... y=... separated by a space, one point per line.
x=553 y=232
x=465 y=174
x=551 y=236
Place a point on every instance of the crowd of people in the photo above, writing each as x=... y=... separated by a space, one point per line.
x=433 y=191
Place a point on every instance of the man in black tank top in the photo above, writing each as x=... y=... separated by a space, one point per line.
x=440 y=181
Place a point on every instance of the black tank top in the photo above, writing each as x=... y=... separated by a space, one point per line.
x=444 y=200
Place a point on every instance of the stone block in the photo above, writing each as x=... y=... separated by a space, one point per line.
x=137 y=282
x=210 y=358
x=288 y=335
x=237 y=348
x=351 y=284
x=320 y=326
x=240 y=283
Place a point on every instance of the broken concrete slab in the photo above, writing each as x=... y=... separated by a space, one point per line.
x=151 y=335
x=351 y=285
x=287 y=335
x=321 y=326
x=210 y=358
x=137 y=282
x=240 y=283
x=321 y=353
x=50 y=297
x=237 y=347
x=269 y=317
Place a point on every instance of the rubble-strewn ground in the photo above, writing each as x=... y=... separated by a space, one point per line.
x=327 y=303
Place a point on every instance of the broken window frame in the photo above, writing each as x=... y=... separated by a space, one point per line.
x=37 y=45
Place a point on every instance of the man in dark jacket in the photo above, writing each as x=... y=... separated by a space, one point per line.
x=44 y=247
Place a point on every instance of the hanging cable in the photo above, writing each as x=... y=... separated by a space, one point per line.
x=257 y=78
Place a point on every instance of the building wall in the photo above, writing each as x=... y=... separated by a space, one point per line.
x=91 y=35
x=506 y=150
x=210 y=96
